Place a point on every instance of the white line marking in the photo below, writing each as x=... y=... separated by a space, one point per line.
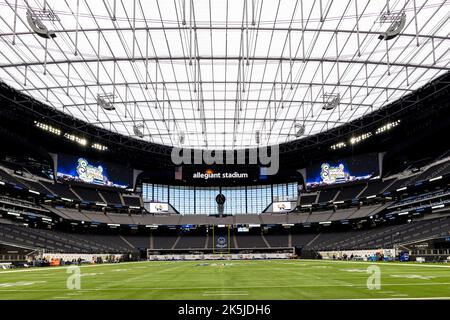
x=422 y=298
x=246 y=287
x=225 y=294
x=412 y=276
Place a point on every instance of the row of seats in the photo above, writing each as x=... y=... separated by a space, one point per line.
x=19 y=202
x=379 y=237
x=6 y=177
x=76 y=193
x=429 y=198
x=176 y=219
x=342 y=193
x=382 y=237
x=434 y=171
x=205 y=242
x=60 y=241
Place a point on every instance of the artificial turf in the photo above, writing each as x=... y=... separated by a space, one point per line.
x=269 y=279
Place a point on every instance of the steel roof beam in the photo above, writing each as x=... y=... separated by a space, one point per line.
x=221 y=119
x=228 y=28
x=228 y=58
x=219 y=82
x=213 y=100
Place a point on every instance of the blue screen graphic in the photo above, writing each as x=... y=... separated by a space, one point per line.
x=82 y=169
x=342 y=171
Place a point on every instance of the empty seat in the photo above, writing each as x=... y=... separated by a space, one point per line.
x=111 y=197
x=327 y=195
x=87 y=194
x=350 y=193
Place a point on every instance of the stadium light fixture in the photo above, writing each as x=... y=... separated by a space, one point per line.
x=435 y=178
x=299 y=130
x=47 y=127
x=99 y=146
x=398 y=22
x=138 y=130
x=331 y=101
x=181 y=138
x=387 y=127
x=438 y=206
x=358 y=139
x=403 y=213
x=35 y=18
x=104 y=101
x=69 y=136
x=338 y=145
x=76 y=139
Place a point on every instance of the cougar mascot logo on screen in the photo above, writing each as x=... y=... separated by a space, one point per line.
x=221 y=242
x=89 y=173
x=330 y=174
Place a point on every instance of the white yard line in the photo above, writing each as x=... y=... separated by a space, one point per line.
x=422 y=298
x=225 y=294
x=224 y=291
x=299 y=262
x=230 y=288
x=82 y=266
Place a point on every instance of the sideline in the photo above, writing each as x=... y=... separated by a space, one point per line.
x=383 y=263
x=229 y=288
x=278 y=261
x=65 y=267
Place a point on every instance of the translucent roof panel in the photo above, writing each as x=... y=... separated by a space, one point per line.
x=221 y=74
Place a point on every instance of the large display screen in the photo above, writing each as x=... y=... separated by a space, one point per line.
x=158 y=207
x=341 y=171
x=81 y=169
x=281 y=206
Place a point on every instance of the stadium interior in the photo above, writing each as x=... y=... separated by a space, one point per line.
x=357 y=125
x=406 y=201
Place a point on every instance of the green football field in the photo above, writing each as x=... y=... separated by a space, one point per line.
x=272 y=279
